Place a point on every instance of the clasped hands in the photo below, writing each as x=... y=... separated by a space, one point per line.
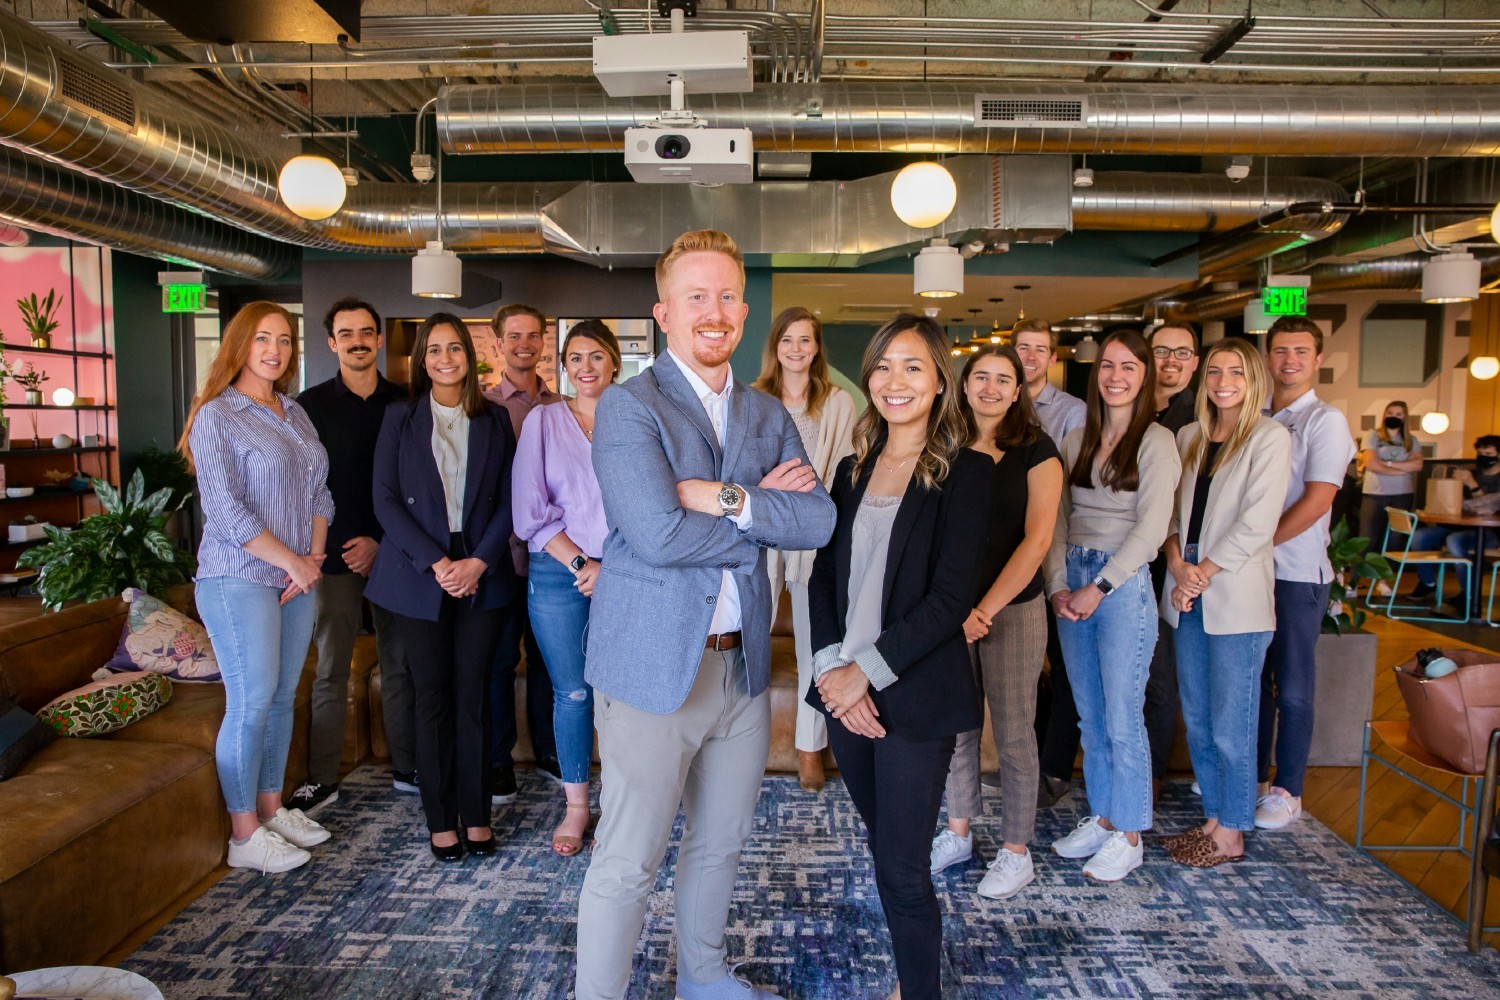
x=303 y=575
x=459 y=577
x=702 y=495
x=1077 y=605
x=845 y=691
x=1192 y=580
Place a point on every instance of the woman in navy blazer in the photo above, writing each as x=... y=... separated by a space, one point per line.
x=442 y=494
x=887 y=599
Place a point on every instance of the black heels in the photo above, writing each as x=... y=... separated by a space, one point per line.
x=448 y=855
x=480 y=848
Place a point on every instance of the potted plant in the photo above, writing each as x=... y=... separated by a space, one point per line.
x=164 y=469
x=122 y=546
x=40 y=316
x=31 y=380
x=1345 y=681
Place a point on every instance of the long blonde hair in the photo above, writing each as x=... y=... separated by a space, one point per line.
x=819 y=385
x=1257 y=388
x=946 y=433
x=234 y=349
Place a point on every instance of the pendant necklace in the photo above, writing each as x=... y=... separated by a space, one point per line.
x=588 y=432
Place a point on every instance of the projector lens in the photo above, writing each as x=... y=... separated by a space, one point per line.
x=672 y=147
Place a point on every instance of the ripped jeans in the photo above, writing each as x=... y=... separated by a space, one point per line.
x=559 y=619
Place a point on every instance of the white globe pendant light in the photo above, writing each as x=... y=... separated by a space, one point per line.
x=1435 y=422
x=1484 y=367
x=312 y=186
x=923 y=195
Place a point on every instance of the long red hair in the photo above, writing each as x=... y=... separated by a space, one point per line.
x=234 y=349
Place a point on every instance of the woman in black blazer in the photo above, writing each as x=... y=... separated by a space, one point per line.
x=442 y=494
x=888 y=598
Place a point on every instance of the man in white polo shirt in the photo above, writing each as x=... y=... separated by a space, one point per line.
x=1322 y=448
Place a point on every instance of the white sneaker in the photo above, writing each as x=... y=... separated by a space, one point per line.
x=295 y=828
x=1116 y=859
x=1276 y=809
x=1084 y=841
x=1197 y=788
x=949 y=849
x=268 y=851
x=1009 y=873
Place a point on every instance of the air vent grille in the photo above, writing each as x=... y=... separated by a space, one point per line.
x=82 y=88
x=1030 y=112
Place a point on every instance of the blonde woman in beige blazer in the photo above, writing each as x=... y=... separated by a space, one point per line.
x=795 y=371
x=1220 y=587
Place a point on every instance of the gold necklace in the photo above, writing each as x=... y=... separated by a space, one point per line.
x=263 y=401
x=899 y=467
x=455 y=416
x=588 y=432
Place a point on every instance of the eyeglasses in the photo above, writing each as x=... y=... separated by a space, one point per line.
x=1180 y=353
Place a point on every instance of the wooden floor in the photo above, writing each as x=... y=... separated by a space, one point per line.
x=1396 y=810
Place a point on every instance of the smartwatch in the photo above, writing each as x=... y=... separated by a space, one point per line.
x=1105 y=587
x=578 y=562
x=730 y=498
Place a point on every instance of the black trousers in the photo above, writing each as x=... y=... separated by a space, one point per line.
x=1059 y=747
x=514 y=632
x=897 y=786
x=1161 y=686
x=450 y=661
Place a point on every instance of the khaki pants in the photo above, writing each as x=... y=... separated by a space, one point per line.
x=709 y=756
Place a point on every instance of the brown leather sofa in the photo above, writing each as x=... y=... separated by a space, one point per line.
x=99 y=835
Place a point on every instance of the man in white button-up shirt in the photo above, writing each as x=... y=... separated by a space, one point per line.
x=699 y=475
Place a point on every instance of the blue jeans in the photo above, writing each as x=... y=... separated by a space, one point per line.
x=261 y=646
x=560 y=617
x=1108 y=656
x=1218 y=677
x=1287 y=682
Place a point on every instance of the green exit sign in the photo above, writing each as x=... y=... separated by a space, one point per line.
x=184 y=298
x=1284 y=301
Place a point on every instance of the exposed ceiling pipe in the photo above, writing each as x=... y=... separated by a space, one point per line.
x=42 y=196
x=1126 y=199
x=1404 y=271
x=851 y=117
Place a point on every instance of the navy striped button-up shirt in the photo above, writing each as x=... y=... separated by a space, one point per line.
x=256 y=472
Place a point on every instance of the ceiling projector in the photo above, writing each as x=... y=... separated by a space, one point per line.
x=662 y=155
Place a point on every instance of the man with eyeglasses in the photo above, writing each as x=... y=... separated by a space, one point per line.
x=1174 y=350
x=1174 y=346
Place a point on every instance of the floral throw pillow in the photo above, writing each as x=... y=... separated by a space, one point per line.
x=105 y=706
x=160 y=639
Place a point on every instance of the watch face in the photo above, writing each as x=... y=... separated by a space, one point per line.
x=729 y=496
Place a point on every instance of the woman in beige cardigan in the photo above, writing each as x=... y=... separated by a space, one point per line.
x=795 y=371
x=1219 y=591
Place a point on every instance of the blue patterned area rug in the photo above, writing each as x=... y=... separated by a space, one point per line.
x=374 y=916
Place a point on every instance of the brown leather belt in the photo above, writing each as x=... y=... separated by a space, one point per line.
x=722 y=641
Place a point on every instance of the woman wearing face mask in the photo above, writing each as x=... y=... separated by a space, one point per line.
x=1007 y=629
x=1220 y=588
x=795 y=371
x=444 y=571
x=888 y=596
x=1483 y=481
x=560 y=515
x=1122 y=472
x=1391 y=459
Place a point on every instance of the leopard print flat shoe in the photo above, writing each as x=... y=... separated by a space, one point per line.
x=1202 y=853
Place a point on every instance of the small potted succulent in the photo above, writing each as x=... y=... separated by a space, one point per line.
x=31 y=380
x=40 y=316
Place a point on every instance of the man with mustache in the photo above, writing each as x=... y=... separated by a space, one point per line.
x=347 y=411
x=699 y=473
x=518 y=329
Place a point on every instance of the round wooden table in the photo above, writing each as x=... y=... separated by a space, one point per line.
x=1478 y=522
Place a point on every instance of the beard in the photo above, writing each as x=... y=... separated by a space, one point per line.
x=713 y=355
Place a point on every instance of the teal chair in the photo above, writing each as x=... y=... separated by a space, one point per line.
x=1404 y=522
x=1493 y=555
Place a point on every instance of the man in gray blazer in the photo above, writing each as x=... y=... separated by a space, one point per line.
x=699 y=474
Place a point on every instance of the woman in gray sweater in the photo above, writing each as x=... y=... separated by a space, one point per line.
x=1122 y=473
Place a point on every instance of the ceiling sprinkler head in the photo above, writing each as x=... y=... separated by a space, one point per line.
x=1238 y=169
x=1083 y=177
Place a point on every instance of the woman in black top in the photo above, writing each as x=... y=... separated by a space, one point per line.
x=1007 y=630
x=888 y=597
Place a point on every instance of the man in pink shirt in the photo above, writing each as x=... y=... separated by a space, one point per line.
x=518 y=329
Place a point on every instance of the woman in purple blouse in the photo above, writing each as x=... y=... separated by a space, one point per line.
x=560 y=514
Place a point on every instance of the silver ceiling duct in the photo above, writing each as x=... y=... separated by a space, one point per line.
x=1001 y=117
x=1404 y=271
x=39 y=195
x=1199 y=203
x=66 y=106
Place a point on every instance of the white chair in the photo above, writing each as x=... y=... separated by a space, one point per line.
x=1404 y=522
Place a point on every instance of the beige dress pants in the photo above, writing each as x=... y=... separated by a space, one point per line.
x=709 y=756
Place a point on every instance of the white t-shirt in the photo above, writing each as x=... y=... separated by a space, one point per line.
x=1322 y=449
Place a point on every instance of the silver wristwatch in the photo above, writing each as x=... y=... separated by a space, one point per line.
x=730 y=498
x=1105 y=587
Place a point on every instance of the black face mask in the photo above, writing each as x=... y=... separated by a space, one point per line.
x=1395 y=424
x=1487 y=461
